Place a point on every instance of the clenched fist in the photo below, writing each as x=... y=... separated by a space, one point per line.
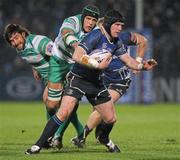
x=149 y=64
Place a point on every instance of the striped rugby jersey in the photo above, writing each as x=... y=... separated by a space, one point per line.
x=71 y=23
x=37 y=49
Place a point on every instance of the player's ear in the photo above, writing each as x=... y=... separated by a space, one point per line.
x=23 y=34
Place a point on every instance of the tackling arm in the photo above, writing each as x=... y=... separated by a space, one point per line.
x=69 y=28
x=69 y=38
x=43 y=45
x=81 y=57
x=141 y=43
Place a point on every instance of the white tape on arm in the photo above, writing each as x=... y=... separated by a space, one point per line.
x=70 y=38
x=88 y=61
x=140 y=66
x=93 y=63
x=139 y=59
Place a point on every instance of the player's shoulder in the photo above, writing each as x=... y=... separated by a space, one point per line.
x=72 y=23
x=93 y=36
x=96 y=33
x=35 y=37
x=76 y=19
x=35 y=40
x=124 y=34
x=30 y=37
x=29 y=40
x=126 y=37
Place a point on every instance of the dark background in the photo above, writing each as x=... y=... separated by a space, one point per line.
x=45 y=17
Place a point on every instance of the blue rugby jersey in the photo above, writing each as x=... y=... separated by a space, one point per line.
x=96 y=40
x=117 y=70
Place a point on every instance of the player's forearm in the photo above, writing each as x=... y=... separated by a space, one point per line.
x=78 y=54
x=131 y=62
x=81 y=57
x=69 y=38
x=74 y=45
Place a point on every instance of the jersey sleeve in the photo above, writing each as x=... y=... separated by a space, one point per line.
x=90 y=41
x=43 y=45
x=71 y=23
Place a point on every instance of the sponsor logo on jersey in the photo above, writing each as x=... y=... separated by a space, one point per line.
x=104 y=45
x=49 y=48
x=69 y=92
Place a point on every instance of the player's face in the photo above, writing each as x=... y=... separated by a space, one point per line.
x=116 y=28
x=89 y=23
x=17 y=40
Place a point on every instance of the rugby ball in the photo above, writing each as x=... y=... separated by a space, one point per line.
x=99 y=54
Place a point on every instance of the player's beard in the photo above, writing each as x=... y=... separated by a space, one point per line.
x=21 y=45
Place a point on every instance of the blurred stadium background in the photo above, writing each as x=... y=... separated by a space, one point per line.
x=158 y=20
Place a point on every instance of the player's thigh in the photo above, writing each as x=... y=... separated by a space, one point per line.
x=117 y=90
x=95 y=114
x=114 y=95
x=54 y=94
x=57 y=76
x=75 y=86
x=45 y=94
x=55 y=86
x=68 y=103
x=58 y=70
x=107 y=111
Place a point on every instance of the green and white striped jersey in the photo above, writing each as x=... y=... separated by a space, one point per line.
x=37 y=49
x=61 y=50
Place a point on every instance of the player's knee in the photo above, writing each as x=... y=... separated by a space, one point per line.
x=53 y=98
x=63 y=114
x=52 y=104
x=96 y=115
x=110 y=119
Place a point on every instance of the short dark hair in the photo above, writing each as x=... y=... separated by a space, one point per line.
x=13 y=28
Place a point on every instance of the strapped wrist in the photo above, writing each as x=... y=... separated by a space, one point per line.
x=140 y=66
x=139 y=59
x=69 y=39
x=88 y=61
x=93 y=63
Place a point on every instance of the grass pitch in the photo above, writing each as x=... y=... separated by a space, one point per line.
x=149 y=132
